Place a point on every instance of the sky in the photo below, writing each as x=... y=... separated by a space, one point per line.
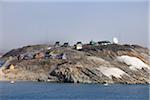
x=26 y=22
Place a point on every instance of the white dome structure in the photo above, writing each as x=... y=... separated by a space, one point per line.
x=115 y=40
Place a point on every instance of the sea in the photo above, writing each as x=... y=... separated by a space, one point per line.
x=72 y=91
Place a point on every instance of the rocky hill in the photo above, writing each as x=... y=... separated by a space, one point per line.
x=113 y=63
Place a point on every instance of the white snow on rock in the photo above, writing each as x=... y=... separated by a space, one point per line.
x=134 y=63
x=110 y=71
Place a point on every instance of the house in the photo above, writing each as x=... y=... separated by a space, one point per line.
x=65 y=44
x=78 y=45
x=57 y=44
x=92 y=42
x=39 y=55
x=47 y=54
x=50 y=54
x=104 y=42
x=20 y=57
x=11 y=67
x=63 y=56
x=54 y=56
x=28 y=56
x=59 y=56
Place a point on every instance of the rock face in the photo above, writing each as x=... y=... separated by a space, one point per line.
x=127 y=64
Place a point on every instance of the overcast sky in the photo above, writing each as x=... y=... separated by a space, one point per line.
x=24 y=23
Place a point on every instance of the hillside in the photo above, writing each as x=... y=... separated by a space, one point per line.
x=113 y=63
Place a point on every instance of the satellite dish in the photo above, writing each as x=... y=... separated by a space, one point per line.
x=115 y=40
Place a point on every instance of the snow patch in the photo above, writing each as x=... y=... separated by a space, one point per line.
x=109 y=72
x=134 y=63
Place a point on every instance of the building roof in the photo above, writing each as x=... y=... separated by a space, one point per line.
x=57 y=42
x=79 y=42
x=100 y=42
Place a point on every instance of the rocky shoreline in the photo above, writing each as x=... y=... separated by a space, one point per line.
x=112 y=64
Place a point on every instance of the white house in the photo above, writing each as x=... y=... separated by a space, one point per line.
x=78 y=46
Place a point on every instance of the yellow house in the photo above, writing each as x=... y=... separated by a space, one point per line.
x=11 y=67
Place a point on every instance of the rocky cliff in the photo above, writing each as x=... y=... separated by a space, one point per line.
x=113 y=63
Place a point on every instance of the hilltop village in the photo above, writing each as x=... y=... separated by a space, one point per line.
x=50 y=52
x=94 y=62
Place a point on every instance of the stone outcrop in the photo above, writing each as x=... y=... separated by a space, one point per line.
x=126 y=64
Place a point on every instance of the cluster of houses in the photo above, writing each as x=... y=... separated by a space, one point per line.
x=41 y=55
x=79 y=45
x=50 y=54
x=99 y=43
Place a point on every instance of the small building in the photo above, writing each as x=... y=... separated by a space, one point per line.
x=54 y=56
x=20 y=57
x=92 y=42
x=57 y=44
x=11 y=67
x=28 y=56
x=39 y=55
x=59 y=56
x=63 y=56
x=65 y=44
x=104 y=42
x=47 y=54
x=78 y=45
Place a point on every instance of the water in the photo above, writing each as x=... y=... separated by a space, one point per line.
x=66 y=91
